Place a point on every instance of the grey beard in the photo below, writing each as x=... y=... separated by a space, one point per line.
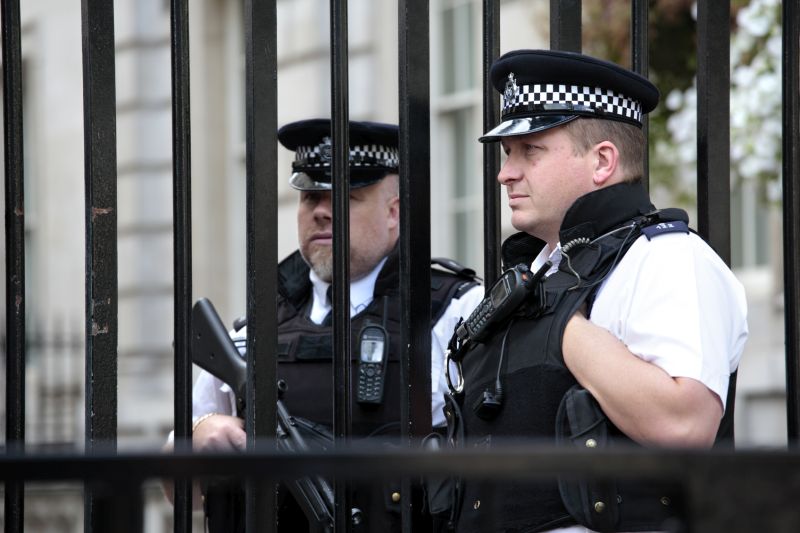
x=321 y=262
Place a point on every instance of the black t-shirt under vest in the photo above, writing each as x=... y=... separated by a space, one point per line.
x=526 y=348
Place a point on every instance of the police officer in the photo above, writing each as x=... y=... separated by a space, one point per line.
x=629 y=324
x=304 y=307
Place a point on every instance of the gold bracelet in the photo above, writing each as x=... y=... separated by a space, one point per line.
x=201 y=420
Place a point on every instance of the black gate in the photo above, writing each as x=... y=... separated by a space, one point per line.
x=744 y=491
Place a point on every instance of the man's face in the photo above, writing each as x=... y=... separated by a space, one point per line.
x=543 y=176
x=374 y=226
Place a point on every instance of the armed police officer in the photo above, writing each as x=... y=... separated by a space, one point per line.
x=629 y=325
x=304 y=307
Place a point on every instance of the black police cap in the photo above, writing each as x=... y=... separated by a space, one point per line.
x=542 y=89
x=373 y=152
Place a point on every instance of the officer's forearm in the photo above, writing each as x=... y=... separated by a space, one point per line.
x=640 y=398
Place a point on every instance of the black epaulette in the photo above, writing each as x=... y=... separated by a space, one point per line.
x=449 y=282
x=455 y=267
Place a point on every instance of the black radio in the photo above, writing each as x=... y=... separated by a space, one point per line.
x=372 y=361
x=502 y=299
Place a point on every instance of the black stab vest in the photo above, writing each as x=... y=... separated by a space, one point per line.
x=305 y=348
x=534 y=377
x=305 y=364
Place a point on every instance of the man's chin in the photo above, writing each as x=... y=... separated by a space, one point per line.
x=521 y=223
x=321 y=263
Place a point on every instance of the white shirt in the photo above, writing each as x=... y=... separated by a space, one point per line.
x=210 y=395
x=674 y=303
x=360 y=294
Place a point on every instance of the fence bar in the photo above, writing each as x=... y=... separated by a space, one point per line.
x=791 y=212
x=506 y=461
x=715 y=479
x=100 y=162
x=565 y=25
x=182 y=250
x=340 y=135
x=262 y=242
x=491 y=151
x=640 y=61
x=713 y=125
x=713 y=147
x=415 y=208
x=415 y=243
x=15 y=254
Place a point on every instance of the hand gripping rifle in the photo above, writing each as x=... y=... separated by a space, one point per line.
x=214 y=351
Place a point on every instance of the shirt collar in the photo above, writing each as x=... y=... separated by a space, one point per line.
x=546 y=254
x=361 y=293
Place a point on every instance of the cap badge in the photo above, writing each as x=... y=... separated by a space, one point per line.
x=326 y=149
x=511 y=92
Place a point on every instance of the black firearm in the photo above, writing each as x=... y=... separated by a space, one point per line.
x=214 y=351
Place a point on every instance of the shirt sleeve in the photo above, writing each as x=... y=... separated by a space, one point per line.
x=675 y=304
x=440 y=336
x=210 y=395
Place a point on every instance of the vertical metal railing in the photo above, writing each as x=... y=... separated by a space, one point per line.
x=15 y=255
x=713 y=148
x=100 y=163
x=182 y=250
x=791 y=212
x=565 y=25
x=262 y=242
x=713 y=125
x=713 y=145
x=491 y=151
x=640 y=62
x=415 y=204
x=340 y=165
x=415 y=239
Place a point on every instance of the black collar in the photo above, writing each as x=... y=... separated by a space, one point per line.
x=589 y=216
x=599 y=211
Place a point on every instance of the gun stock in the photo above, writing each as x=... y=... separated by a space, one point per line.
x=214 y=351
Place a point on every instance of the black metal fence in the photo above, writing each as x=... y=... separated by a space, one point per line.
x=728 y=491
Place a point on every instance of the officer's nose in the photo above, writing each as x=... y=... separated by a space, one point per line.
x=323 y=211
x=510 y=172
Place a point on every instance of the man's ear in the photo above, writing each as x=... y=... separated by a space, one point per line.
x=394 y=212
x=606 y=162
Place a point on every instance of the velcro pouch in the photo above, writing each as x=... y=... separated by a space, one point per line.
x=581 y=423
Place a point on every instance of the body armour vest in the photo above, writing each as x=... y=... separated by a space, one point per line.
x=305 y=349
x=525 y=352
x=305 y=365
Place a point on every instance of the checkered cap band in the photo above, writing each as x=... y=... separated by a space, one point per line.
x=368 y=155
x=577 y=98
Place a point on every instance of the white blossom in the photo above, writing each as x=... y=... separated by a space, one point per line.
x=674 y=100
x=755 y=104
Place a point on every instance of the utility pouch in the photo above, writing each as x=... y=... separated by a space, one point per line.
x=581 y=423
x=608 y=505
x=443 y=495
x=440 y=492
x=390 y=488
